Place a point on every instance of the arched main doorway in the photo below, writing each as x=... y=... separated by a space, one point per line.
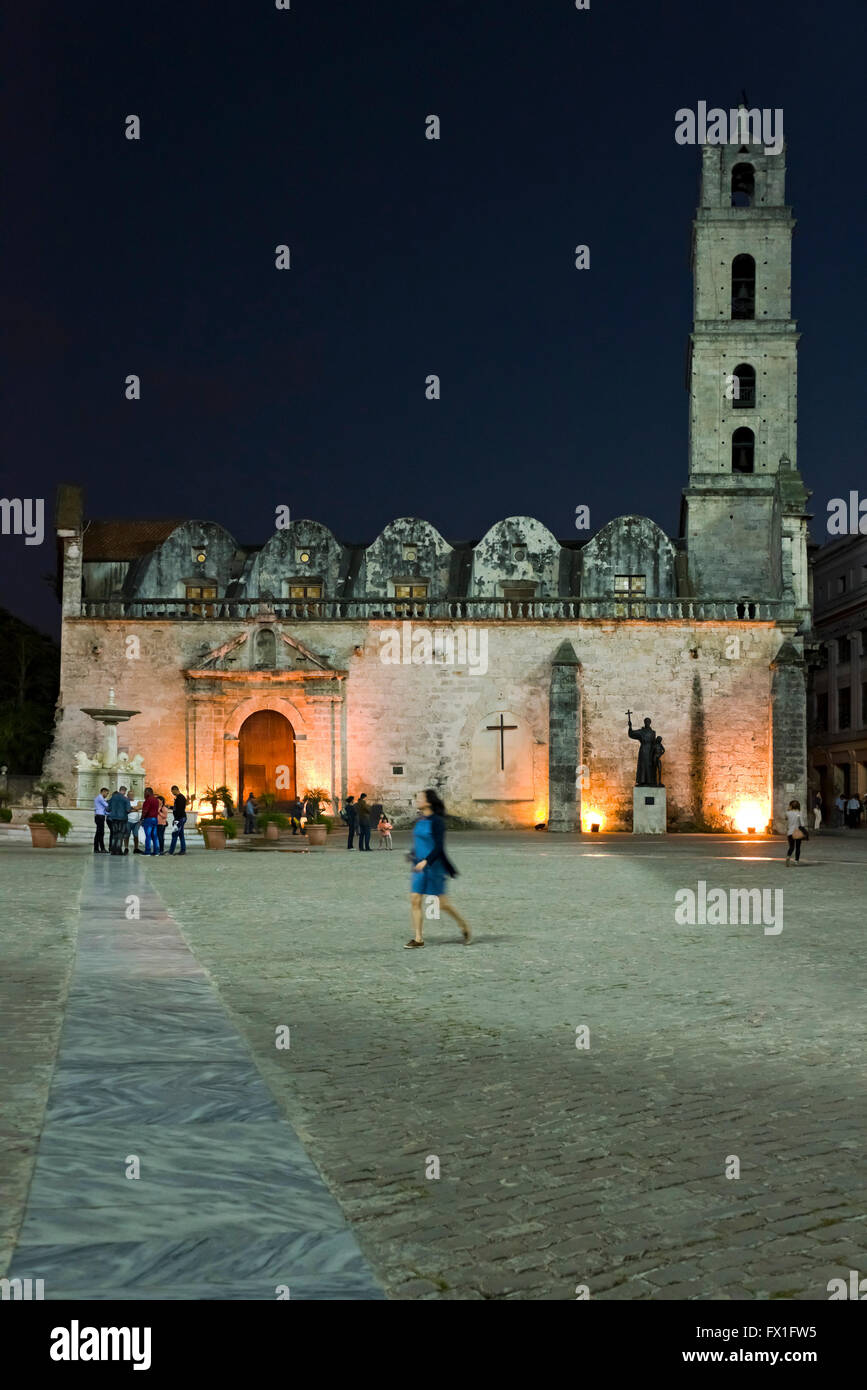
x=266 y=756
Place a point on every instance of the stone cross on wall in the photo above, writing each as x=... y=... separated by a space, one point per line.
x=501 y=729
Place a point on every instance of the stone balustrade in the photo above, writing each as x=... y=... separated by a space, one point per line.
x=443 y=610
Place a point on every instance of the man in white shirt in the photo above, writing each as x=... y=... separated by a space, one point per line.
x=132 y=824
x=840 y=809
x=853 y=807
x=100 y=808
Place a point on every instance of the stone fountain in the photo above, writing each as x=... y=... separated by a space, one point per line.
x=108 y=768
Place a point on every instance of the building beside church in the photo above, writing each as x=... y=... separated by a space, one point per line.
x=838 y=728
x=499 y=671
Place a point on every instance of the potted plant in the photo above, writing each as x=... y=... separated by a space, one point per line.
x=273 y=822
x=317 y=827
x=216 y=831
x=49 y=791
x=5 y=814
x=211 y=797
x=45 y=826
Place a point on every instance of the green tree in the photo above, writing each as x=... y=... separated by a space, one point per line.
x=29 y=682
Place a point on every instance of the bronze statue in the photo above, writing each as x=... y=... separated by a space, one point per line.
x=649 y=768
x=656 y=761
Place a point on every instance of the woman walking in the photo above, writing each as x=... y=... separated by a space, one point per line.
x=431 y=865
x=795 y=832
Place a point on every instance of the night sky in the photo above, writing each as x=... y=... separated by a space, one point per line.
x=409 y=256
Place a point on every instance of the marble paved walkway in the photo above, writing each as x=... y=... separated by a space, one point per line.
x=152 y=1076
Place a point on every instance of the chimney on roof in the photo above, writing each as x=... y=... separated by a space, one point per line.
x=69 y=520
x=69 y=509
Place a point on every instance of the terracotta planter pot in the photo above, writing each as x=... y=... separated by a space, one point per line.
x=316 y=833
x=215 y=837
x=272 y=832
x=43 y=837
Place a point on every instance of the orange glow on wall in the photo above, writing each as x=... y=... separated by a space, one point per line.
x=750 y=815
x=589 y=818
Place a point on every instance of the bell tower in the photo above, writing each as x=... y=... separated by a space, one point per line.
x=743 y=509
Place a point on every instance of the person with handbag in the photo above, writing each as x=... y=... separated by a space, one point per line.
x=796 y=832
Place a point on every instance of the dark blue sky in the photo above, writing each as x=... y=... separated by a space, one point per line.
x=409 y=256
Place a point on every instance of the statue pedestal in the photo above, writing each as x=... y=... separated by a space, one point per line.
x=648 y=810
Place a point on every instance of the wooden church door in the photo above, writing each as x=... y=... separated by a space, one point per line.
x=267 y=756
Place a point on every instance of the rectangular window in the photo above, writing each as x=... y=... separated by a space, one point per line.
x=416 y=592
x=843 y=651
x=844 y=707
x=630 y=587
x=841 y=584
x=519 y=600
x=300 y=591
x=822 y=712
x=197 y=592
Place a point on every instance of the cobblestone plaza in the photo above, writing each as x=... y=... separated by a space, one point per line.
x=612 y=1098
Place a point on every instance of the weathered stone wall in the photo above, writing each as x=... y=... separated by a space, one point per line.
x=387 y=559
x=519 y=550
x=733 y=537
x=715 y=418
x=710 y=700
x=789 y=733
x=628 y=545
x=174 y=564
x=280 y=561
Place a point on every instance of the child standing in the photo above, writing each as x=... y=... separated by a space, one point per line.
x=162 y=822
x=384 y=828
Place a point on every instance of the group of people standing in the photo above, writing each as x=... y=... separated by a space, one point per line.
x=125 y=818
x=297 y=810
x=359 y=817
x=847 y=811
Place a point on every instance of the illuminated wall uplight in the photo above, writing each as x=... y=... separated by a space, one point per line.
x=750 y=816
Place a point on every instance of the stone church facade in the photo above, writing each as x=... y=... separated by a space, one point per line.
x=499 y=672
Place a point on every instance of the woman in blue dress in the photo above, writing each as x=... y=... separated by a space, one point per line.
x=431 y=865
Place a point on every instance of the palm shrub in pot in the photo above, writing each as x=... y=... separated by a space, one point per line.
x=318 y=827
x=45 y=827
x=48 y=791
x=216 y=829
x=273 y=822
